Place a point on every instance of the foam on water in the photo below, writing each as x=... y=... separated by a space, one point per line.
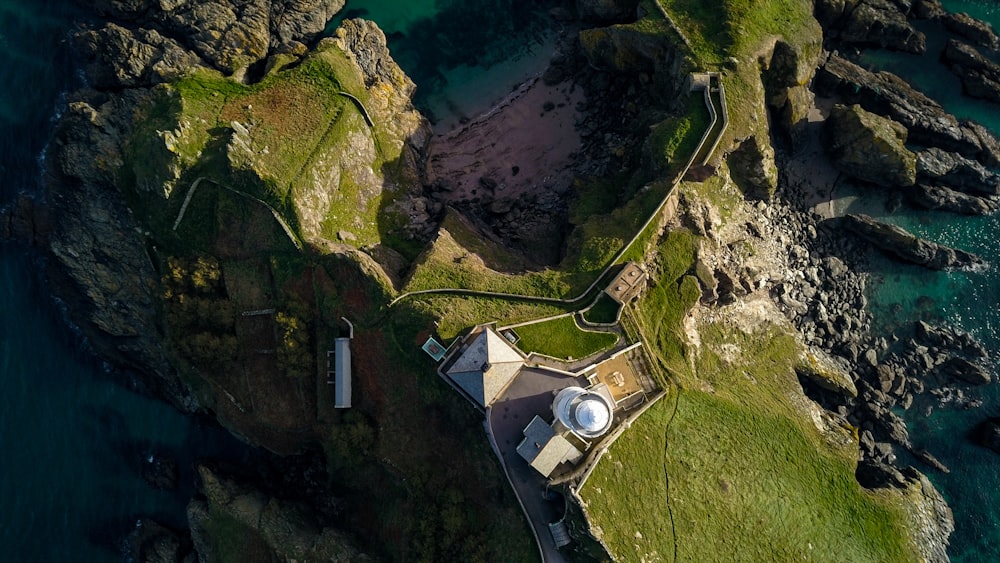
x=967 y=299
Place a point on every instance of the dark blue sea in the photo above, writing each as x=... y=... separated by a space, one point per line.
x=73 y=436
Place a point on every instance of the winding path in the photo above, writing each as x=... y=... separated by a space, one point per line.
x=708 y=90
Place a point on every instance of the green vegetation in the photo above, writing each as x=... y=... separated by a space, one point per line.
x=234 y=542
x=454 y=314
x=604 y=310
x=661 y=310
x=563 y=338
x=750 y=476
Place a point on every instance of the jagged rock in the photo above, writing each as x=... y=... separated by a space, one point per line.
x=928 y=458
x=826 y=372
x=753 y=169
x=965 y=370
x=898 y=242
x=956 y=171
x=870 y=22
x=933 y=519
x=927 y=9
x=607 y=11
x=873 y=474
x=980 y=76
x=786 y=81
x=631 y=49
x=886 y=94
x=151 y=542
x=869 y=147
x=947 y=199
x=948 y=337
x=301 y=20
x=987 y=434
x=289 y=530
x=161 y=471
x=123 y=58
x=979 y=32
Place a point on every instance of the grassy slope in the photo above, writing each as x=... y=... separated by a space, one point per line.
x=562 y=338
x=461 y=258
x=750 y=477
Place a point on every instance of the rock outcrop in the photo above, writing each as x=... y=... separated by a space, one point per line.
x=980 y=76
x=888 y=95
x=606 y=11
x=957 y=172
x=880 y=23
x=786 y=82
x=869 y=147
x=753 y=169
x=125 y=58
x=256 y=522
x=229 y=36
x=947 y=199
x=975 y=30
x=901 y=244
x=987 y=434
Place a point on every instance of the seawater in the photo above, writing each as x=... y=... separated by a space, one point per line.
x=73 y=438
x=464 y=55
x=969 y=300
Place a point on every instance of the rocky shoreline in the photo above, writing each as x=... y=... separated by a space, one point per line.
x=821 y=291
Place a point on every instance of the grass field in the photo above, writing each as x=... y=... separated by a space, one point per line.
x=563 y=338
x=731 y=467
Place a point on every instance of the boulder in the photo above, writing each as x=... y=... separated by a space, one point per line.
x=926 y=121
x=869 y=147
x=753 y=168
x=789 y=71
x=152 y=542
x=963 y=369
x=980 y=76
x=901 y=244
x=946 y=199
x=607 y=11
x=948 y=337
x=957 y=172
x=979 y=32
x=288 y=530
x=118 y=57
x=928 y=458
x=880 y=23
x=927 y=9
x=987 y=434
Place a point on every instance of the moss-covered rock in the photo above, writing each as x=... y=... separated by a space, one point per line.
x=869 y=147
x=753 y=169
x=235 y=522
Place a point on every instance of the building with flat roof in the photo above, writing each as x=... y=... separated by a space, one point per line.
x=483 y=365
x=342 y=367
x=627 y=284
x=544 y=449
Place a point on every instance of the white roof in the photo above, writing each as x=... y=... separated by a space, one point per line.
x=592 y=414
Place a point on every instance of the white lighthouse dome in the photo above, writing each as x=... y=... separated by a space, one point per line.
x=592 y=414
x=585 y=413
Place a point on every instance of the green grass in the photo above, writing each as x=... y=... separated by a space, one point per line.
x=455 y=314
x=604 y=310
x=563 y=338
x=664 y=305
x=750 y=476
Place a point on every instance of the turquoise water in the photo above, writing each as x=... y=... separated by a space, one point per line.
x=970 y=300
x=464 y=55
x=73 y=437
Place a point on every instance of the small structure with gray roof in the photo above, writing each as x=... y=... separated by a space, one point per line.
x=544 y=449
x=627 y=284
x=342 y=367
